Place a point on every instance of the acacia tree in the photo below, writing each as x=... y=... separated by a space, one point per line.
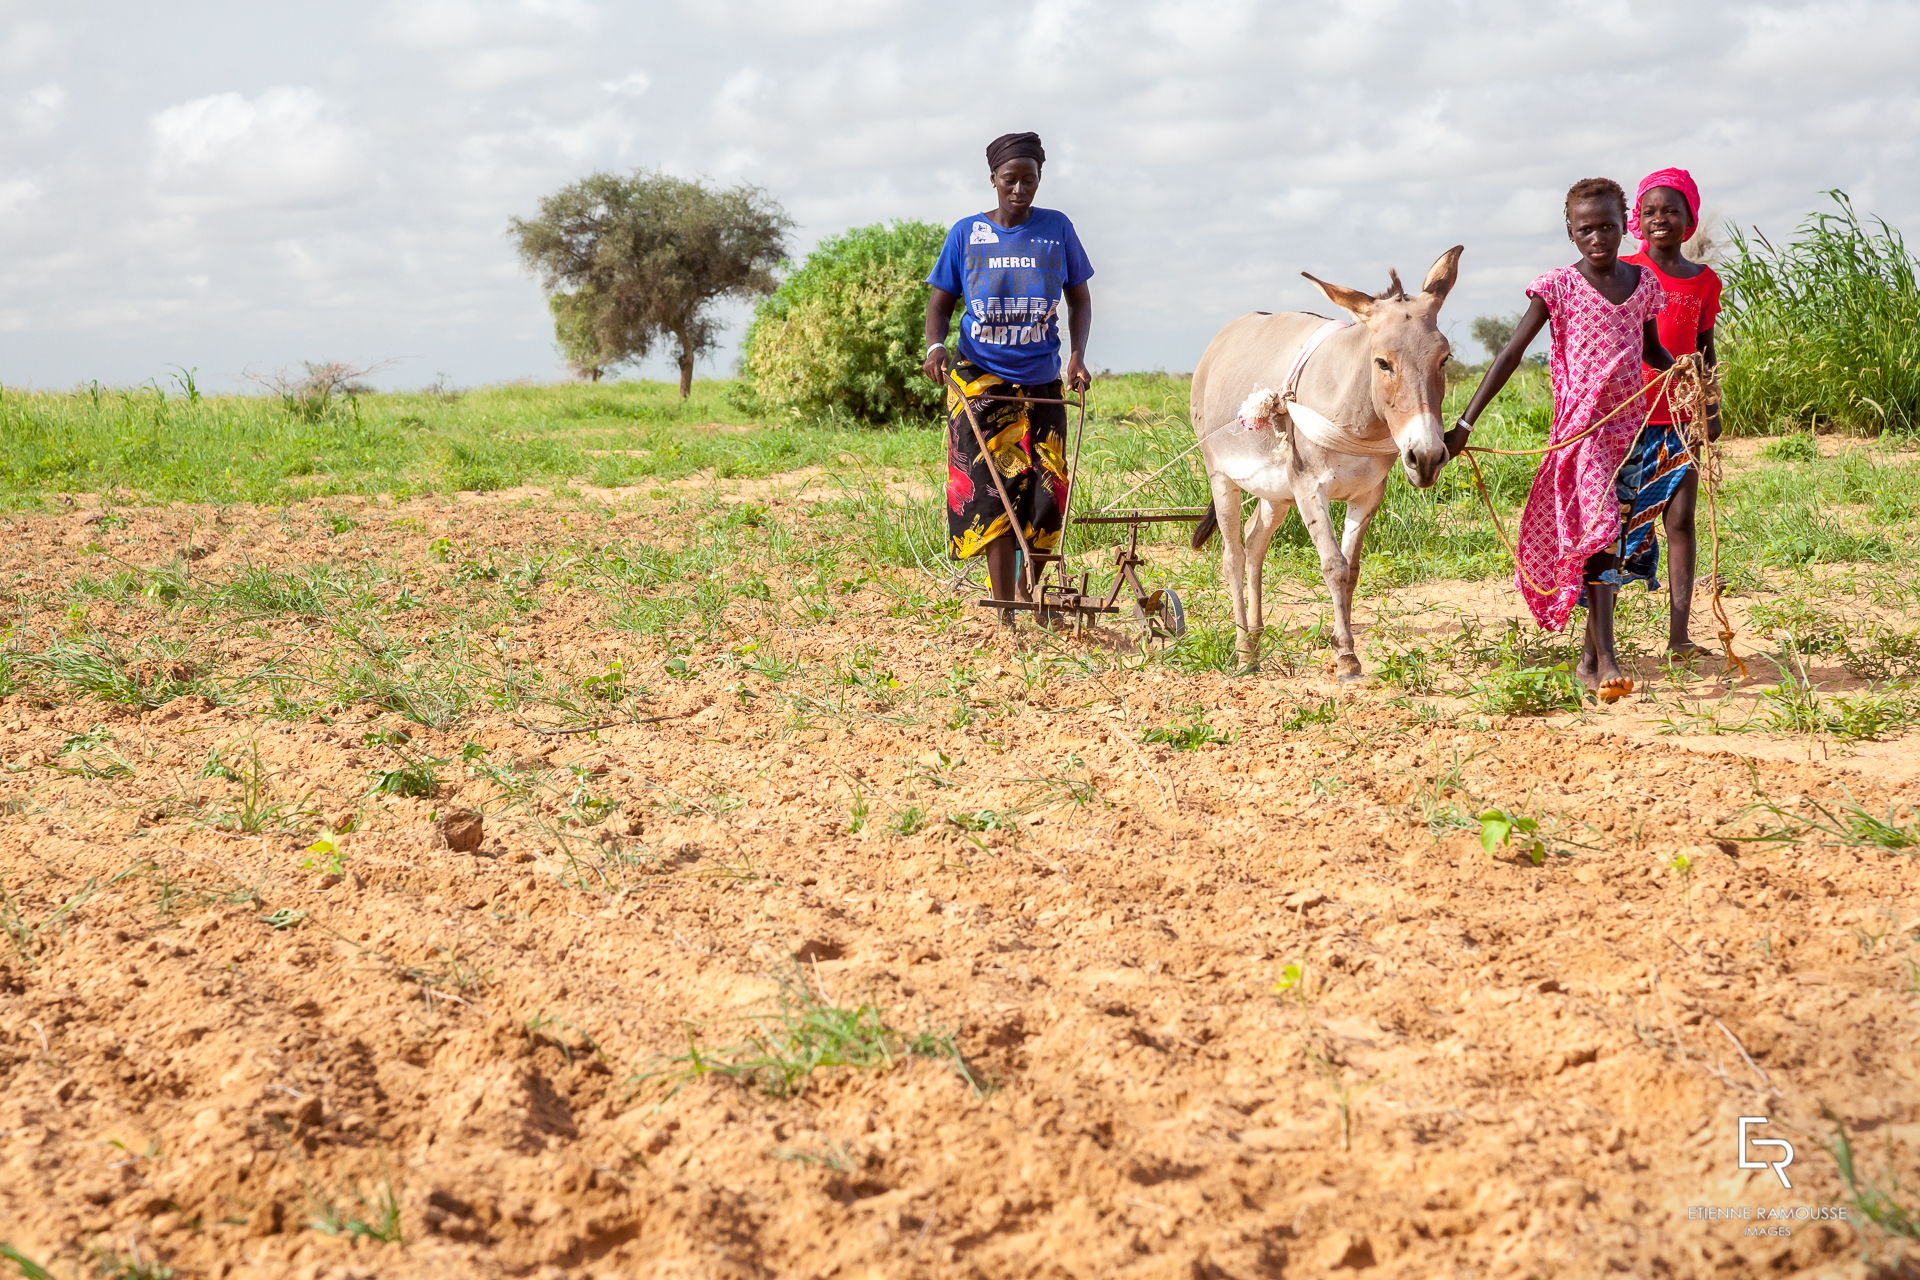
x=1494 y=332
x=634 y=260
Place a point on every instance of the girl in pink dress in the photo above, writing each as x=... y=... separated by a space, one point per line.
x=1602 y=311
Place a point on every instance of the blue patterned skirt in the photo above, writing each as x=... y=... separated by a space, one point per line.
x=1655 y=466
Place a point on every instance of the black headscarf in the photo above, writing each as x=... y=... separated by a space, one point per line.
x=1015 y=146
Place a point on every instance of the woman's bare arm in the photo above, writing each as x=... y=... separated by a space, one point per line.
x=1079 y=300
x=940 y=306
x=1655 y=355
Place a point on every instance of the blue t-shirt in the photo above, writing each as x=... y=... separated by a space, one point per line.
x=1009 y=280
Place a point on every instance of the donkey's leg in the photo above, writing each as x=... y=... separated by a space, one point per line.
x=1318 y=517
x=1226 y=509
x=1259 y=538
x=1360 y=514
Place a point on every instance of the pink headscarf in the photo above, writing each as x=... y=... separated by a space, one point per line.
x=1680 y=180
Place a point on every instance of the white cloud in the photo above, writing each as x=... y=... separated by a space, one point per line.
x=631 y=85
x=27 y=45
x=794 y=17
x=738 y=113
x=511 y=165
x=485 y=70
x=283 y=149
x=1208 y=149
x=16 y=193
x=456 y=24
x=38 y=110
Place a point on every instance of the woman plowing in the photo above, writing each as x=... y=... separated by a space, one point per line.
x=1011 y=267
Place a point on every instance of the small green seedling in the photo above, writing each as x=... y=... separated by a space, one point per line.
x=1292 y=984
x=1498 y=827
x=415 y=779
x=610 y=685
x=1191 y=736
x=327 y=856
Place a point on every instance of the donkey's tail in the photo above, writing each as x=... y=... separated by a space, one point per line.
x=1204 y=530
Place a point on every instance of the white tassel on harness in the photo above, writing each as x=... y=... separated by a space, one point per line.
x=1263 y=410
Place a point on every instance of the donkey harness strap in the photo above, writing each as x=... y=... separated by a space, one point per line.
x=1292 y=389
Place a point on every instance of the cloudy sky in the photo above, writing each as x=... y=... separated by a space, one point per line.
x=234 y=187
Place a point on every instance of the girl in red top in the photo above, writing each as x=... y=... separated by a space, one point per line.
x=1659 y=478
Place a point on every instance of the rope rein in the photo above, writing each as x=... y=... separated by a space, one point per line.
x=1700 y=394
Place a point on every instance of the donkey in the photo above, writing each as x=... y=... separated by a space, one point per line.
x=1300 y=411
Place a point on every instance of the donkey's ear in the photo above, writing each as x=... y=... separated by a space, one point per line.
x=1441 y=275
x=1360 y=304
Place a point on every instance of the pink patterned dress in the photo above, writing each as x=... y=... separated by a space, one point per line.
x=1571 y=510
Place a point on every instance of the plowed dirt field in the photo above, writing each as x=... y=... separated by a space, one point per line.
x=1242 y=997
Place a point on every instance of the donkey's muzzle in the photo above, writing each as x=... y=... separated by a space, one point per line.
x=1423 y=465
x=1423 y=449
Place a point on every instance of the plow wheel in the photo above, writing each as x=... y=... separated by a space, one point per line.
x=1161 y=614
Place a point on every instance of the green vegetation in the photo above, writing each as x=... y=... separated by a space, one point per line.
x=1840 y=824
x=145 y=446
x=803 y=1032
x=1812 y=543
x=1500 y=829
x=355 y=1214
x=1513 y=689
x=26 y=1266
x=1874 y=1199
x=1190 y=736
x=1823 y=331
x=840 y=337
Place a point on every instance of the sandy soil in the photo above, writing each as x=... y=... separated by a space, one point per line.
x=1477 y=1066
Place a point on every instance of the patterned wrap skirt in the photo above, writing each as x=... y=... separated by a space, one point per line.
x=1026 y=444
x=1647 y=481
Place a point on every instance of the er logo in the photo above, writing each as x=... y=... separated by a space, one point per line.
x=1779 y=1166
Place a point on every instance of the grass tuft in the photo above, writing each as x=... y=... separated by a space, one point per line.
x=803 y=1033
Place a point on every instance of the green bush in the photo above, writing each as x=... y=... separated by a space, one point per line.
x=841 y=337
x=1824 y=331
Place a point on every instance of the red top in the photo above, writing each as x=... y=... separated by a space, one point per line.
x=1692 y=307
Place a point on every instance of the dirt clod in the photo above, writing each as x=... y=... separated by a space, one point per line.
x=464 y=830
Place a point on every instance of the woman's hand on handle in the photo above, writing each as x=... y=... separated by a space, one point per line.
x=1077 y=376
x=936 y=365
x=1079 y=300
x=940 y=306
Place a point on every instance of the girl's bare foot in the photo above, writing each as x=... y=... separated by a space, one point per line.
x=1687 y=651
x=1615 y=684
x=1603 y=678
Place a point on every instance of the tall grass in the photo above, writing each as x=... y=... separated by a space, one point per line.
x=142 y=445
x=1823 y=331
